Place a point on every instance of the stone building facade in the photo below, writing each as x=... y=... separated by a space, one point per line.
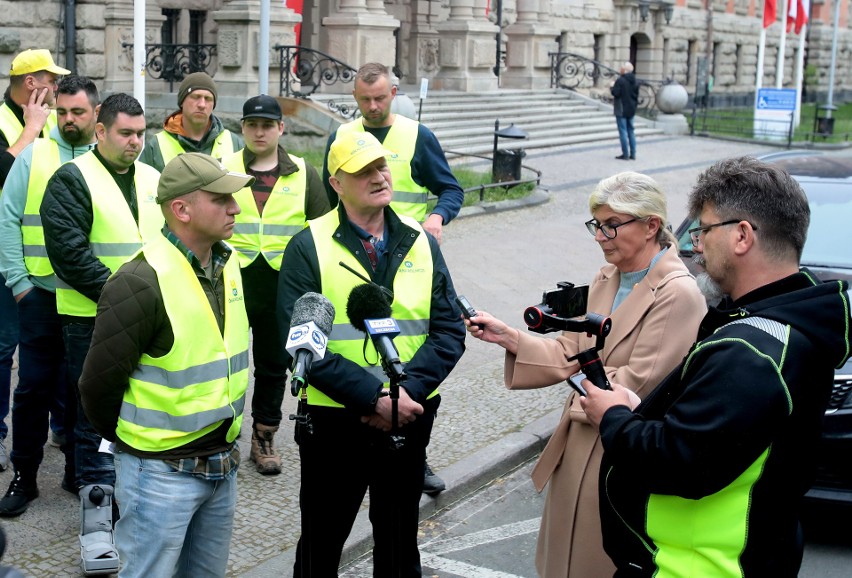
x=453 y=43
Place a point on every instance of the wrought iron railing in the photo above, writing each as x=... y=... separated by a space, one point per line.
x=173 y=62
x=579 y=73
x=304 y=70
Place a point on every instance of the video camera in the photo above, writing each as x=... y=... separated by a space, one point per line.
x=564 y=309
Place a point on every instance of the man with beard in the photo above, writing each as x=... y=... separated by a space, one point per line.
x=25 y=114
x=194 y=128
x=97 y=211
x=707 y=475
x=28 y=273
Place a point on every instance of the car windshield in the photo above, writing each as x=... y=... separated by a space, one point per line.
x=830 y=231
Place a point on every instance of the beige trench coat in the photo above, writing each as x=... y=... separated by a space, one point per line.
x=652 y=331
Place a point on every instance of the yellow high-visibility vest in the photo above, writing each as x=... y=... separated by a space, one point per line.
x=412 y=288
x=44 y=163
x=170 y=147
x=283 y=215
x=202 y=381
x=12 y=128
x=409 y=198
x=115 y=237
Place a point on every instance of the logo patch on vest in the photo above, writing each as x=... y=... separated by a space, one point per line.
x=235 y=292
x=408 y=267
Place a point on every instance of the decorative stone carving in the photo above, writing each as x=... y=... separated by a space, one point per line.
x=450 y=53
x=230 y=49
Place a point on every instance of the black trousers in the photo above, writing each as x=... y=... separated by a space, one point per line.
x=340 y=461
x=260 y=284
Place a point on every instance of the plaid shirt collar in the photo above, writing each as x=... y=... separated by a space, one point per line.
x=221 y=252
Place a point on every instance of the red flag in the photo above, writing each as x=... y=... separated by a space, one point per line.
x=769 y=13
x=798 y=14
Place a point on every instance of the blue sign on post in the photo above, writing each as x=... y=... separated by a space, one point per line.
x=773 y=112
x=776 y=99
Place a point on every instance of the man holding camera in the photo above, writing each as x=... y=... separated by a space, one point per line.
x=349 y=411
x=705 y=476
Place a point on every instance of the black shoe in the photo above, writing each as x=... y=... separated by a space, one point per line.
x=69 y=483
x=432 y=484
x=632 y=157
x=20 y=493
x=622 y=157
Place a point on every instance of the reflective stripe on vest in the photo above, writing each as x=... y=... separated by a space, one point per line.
x=409 y=198
x=12 y=128
x=283 y=215
x=202 y=381
x=412 y=287
x=44 y=163
x=115 y=237
x=170 y=147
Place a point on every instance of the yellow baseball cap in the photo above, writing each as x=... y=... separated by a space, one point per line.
x=353 y=150
x=30 y=61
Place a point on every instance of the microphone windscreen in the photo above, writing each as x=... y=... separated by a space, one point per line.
x=313 y=307
x=367 y=301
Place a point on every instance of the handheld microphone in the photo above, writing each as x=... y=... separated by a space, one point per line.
x=310 y=325
x=369 y=311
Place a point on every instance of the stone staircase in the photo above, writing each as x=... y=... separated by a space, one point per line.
x=464 y=122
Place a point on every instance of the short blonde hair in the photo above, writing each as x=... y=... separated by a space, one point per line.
x=637 y=195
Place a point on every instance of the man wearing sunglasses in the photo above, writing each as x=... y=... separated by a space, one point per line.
x=705 y=477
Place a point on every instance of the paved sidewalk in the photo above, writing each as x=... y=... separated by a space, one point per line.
x=502 y=261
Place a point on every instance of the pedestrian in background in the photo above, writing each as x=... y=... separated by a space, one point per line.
x=655 y=307
x=166 y=377
x=625 y=93
x=706 y=477
x=285 y=193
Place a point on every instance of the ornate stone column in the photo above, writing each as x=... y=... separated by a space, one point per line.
x=423 y=41
x=529 y=40
x=238 y=42
x=361 y=32
x=467 y=49
x=118 y=29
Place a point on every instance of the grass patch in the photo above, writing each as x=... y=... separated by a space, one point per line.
x=740 y=122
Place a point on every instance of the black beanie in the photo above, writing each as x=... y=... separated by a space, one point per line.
x=197 y=81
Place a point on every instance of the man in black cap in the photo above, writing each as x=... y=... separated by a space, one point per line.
x=166 y=378
x=193 y=128
x=286 y=192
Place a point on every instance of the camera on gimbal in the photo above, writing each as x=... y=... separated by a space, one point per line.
x=564 y=309
x=565 y=302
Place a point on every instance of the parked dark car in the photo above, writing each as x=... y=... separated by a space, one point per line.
x=827 y=181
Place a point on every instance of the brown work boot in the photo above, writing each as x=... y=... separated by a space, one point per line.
x=262 y=453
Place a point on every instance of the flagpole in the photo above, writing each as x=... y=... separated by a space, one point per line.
x=800 y=65
x=761 y=53
x=782 y=47
x=830 y=100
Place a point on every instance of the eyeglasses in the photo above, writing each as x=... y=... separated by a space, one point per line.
x=695 y=234
x=609 y=231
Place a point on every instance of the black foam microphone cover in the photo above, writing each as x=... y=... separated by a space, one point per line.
x=366 y=301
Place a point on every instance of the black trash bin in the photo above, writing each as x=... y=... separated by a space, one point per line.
x=507 y=165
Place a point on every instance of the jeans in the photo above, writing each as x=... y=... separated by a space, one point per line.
x=41 y=379
x=8 y=343
x=626 y=135
x=172 y=523
x=92 y=466
x=260 y=283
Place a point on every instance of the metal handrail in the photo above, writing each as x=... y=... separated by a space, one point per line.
x=576 y=72
x=173 y=62
x=303 y=70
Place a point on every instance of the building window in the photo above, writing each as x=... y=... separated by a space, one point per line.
x=690 y=62
x=739 y=68
x=196 y=26
x=169 y=30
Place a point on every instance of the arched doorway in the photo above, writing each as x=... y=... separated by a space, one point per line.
x=642 y=54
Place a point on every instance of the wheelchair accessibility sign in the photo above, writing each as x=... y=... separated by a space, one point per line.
x=773 y=112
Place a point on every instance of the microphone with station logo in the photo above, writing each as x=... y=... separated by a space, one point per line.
x=310 y=326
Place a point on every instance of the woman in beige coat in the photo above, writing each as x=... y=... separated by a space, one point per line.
x=655 y=307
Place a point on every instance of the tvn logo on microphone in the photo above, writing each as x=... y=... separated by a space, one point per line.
x=387 y=327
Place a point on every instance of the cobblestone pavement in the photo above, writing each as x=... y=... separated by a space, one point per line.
x=502 y=261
